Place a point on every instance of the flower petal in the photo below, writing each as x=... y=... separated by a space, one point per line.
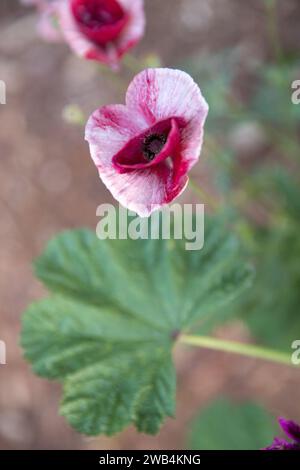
x=163 y=93
x=135 y=28
x=111 y=127
x=102 y=31
x=108 y=130
x=290 y=428
x=48 y=25
x=142 y=191
x=77 y=41
x=111 y=53
x=282 y=444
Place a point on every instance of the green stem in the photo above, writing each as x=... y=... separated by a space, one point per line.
x=249 y=350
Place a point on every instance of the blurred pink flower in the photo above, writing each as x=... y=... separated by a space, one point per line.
x=144 y=150
x=102 y=30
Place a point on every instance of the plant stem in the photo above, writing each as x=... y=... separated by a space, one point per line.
x=249 y=350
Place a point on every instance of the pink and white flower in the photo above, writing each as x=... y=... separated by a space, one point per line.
x=102 y=30
x=144 y=150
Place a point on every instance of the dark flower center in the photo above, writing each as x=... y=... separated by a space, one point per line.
x=95 y=14
x=152 y=145
x=100 y=20
x=155 y=146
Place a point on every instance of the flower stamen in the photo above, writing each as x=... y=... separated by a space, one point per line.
x=153 y=145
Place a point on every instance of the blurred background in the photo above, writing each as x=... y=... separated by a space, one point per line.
x=245 y=56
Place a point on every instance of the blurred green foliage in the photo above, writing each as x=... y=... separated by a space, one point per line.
x=259 y=191
x=225 y=425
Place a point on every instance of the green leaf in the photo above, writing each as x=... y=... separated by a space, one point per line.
x=116 y=309
x=224 y=425
x=109 y=404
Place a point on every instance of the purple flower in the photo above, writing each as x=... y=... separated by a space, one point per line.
x=292 y=430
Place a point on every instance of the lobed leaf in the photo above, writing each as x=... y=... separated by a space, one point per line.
x=116 y=309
